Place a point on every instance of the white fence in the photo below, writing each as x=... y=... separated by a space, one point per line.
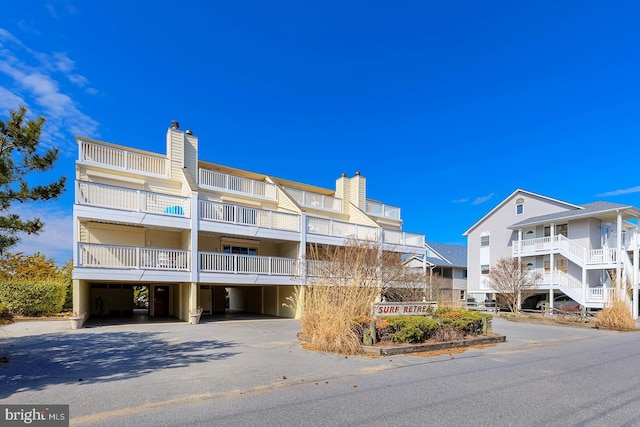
x=117 y=158
x=213 y=262
x=382 y=210
x=329 y=227
x=109 y=196
x=236 y=184
x=233 y=214
x=315 y=200
x=129 y=257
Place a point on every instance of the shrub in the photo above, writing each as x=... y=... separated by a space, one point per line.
x=617 y=316
x=33 y=298
x=412 y=329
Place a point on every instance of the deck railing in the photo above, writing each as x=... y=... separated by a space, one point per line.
x=315 y=200
x=117 y=158
x=213 y=262
x=329 y=227
x=130 y=257
x=235 y=184
x=382 y=210
x=396 y=237
x=233 y=214
x=113 y=197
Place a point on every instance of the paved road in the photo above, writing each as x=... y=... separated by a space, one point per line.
x=241 y=373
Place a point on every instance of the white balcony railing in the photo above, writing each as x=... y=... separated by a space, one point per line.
x=395 y=237
x=117 y=158
x=329 y=227
x=315 y=200
x=129 y=257
x=380 y=209
x=213 y=262
x=233 y=214
x=113 y=197
x=235 y=184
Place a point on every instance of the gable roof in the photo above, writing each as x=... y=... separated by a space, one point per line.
x=452 y=255
x=569 y=206
x=587 y=210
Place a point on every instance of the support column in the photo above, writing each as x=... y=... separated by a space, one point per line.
x=619 y=284
x=552 y=263
x=635 y=282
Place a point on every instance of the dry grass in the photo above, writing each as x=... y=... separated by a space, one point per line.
x=616 y=316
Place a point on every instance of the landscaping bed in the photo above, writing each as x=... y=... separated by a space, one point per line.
x=384 y=349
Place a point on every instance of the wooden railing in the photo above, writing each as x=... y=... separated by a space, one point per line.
x=117 y=158
x=113 y=197
x=235 y=184
x=233 y=214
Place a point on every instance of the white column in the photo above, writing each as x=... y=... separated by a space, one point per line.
x=635 y=282
x=552 y=264
x=619 y=252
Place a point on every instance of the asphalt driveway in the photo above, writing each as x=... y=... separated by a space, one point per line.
x=107 y=370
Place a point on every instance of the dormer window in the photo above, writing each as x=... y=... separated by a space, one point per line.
x=520 y=206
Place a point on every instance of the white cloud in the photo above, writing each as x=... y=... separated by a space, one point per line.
x=54 y=241
x=482 y=199
x=619 y=192
x=37 y=78
x=9 y=100
x=464 y=200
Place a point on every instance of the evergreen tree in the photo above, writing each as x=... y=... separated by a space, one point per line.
x=19 y=157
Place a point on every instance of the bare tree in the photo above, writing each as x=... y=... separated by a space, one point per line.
x=513 y=281
x=343 y=284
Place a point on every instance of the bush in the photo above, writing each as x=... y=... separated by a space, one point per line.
x=411 y=329
x=33 y=298
x=617 y=316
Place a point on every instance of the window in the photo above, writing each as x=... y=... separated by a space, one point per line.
x=519 y=206
x=228 y=249
x=484 y=269
x=464 y=273
x=560 y=229
x=484 y=240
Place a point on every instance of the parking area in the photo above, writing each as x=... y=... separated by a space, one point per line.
x=115 y=367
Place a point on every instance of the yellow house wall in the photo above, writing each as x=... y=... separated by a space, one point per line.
x=283 y=303
x=109 y=234
x=164 y=239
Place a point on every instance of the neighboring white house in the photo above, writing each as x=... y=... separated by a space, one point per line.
x=199 y=234
x=448 y=264
x=582 y=251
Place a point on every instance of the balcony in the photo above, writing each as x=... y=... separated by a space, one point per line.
x=120 y=159
x=128 y=257
x=241 y=215
x=113 y=197
x=236 y=185
x=329 y=227
x=215 y=262
x=315 y=200
x=403 y=238
x=381 y=210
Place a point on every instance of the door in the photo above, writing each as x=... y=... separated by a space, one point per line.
x=161 y=301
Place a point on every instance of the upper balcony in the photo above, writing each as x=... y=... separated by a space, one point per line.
x=237 y=185
x=382 y=210
x=315 y=200
x=603 y=257
x=111 y=157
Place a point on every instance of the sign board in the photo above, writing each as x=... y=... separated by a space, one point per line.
x=404 y=308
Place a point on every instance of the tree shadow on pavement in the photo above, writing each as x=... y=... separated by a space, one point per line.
x=36 y=362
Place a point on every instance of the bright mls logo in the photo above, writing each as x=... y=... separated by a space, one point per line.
x=38 y=415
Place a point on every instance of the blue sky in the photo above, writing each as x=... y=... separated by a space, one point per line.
x=445 y=107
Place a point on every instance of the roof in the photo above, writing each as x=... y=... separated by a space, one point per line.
x=453 y=255
x=587 y=210
x=569 y=206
